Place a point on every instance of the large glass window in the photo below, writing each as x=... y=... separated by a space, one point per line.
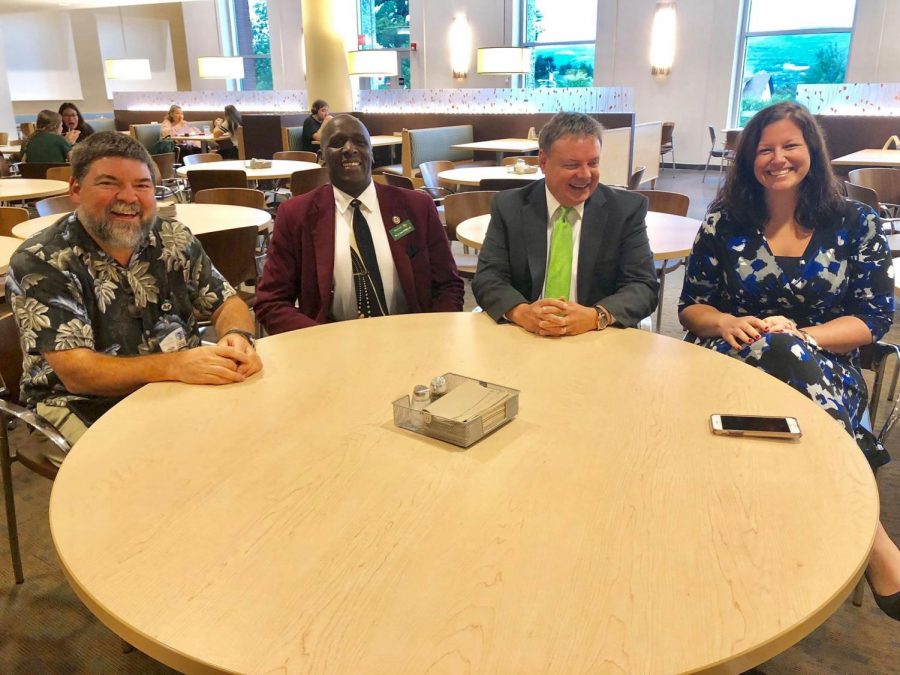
x=384 y=24
x=252 y=32
x=562 y=36
x=785 y=44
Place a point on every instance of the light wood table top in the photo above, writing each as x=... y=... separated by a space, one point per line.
x=281 y=168
x=284 y=524
x=378 y=141
x=509 y=145
x=10 y=149
x=8 y=246
x=473 y=175
x=12 y=189
x=671 y=237
x=887 y=158
x=198 y=218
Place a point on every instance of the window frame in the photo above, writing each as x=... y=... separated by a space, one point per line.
x=535 y=44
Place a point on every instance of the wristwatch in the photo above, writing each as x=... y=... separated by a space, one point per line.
x=247 y=334
x=603 y=317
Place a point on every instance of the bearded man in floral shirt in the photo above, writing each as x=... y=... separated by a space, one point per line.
x=107 y=299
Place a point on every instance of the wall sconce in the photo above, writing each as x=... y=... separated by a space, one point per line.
x=460 y=47
x=372 y=63
x=662 y=40
x=221 y=67
x=504 y=60
x=126 y=69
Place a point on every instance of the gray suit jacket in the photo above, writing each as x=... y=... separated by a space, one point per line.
x=615 y=265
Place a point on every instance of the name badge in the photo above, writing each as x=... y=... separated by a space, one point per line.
x=174 y=341
x=402 y=230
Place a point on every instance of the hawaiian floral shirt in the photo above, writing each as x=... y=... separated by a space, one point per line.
x=67 y=293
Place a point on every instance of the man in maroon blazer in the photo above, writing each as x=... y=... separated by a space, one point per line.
x=354 y=248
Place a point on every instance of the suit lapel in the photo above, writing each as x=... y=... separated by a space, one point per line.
x=534 y=226
x=391 y=210
x=593 y=225
x=323 y=224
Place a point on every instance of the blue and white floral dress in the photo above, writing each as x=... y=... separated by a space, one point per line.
x=845 y=270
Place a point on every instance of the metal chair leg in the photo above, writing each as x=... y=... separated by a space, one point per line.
x=11 y=525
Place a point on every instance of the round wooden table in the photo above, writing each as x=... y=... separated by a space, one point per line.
x=199 y=219
x=671 y=237
x=472 y=176
x=285 y=524
x=8 y=246
x=281 y=168
x=12 y=189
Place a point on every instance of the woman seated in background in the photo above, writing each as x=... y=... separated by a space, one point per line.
x=73 y=121
x=224 y=130
x=46 y=144
x=789 y=277
x=174 y=124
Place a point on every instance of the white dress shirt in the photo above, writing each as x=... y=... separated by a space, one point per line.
x=576 y=215
x=344 y=306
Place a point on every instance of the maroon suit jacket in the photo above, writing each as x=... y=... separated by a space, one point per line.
x=297 y=286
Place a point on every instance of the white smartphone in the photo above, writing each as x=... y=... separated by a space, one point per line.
x=755 y=425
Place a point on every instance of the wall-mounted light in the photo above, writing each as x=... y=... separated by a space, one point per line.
x=221 y=67
x=372 y=63
x=662 y=40
x=504 y=60
x=460 y=38
x=126 y=69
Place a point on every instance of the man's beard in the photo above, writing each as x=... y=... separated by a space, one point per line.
x=114 y=233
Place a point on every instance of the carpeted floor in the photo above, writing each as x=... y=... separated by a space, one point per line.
x=44 y=628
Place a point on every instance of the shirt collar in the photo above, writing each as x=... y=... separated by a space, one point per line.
x=553 y=205
x=369 y=199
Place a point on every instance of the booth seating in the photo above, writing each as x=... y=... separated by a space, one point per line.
x=291 y=138
x=430 y=145
x=146 y=134
x=102 y=124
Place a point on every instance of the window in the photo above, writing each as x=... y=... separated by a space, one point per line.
x=384 y=24
x=250 y=39
x=789 y=43
x=562 y=47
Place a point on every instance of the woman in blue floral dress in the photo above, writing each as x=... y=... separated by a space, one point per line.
x=789 y=277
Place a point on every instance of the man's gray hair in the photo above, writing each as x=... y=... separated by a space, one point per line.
x=108 y=144
x=569 y=124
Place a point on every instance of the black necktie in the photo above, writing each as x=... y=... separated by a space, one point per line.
x=366 y=275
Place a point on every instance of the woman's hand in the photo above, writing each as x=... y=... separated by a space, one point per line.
x=72 y=136
x=740 y=331
x=780 y=324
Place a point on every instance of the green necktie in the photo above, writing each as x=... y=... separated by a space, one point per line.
x=559 y=270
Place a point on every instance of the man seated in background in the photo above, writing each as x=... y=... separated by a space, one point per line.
x=107 y=298
x=599 y=270
x=354 y=249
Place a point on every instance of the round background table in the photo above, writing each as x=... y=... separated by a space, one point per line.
x=671 y=237
x=281 y=168
x=198 y=218
x=12 y=189
x=472 y=176
x=285 y=524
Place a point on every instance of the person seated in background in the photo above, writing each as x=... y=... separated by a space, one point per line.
x=355 y=249
x=73 y=121
x=174 y=124
x=789 y=277
x=107 y=299
x=312 y=125
x=46 y=143
x=599 y=270
x=224 y=128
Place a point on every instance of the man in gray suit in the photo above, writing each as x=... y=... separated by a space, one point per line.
x=567 y=255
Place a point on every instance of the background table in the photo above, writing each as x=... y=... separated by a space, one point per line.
x=198 y=218
x=501 y=146
x=671 y=237
x=12 y=189
x=8 y=246
x=285 y=524
x=473 y=176
x=885 y=158
x=203 y=139
x=10 y=149
x=281 y=168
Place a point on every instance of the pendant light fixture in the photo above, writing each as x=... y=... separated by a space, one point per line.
x=220 y=67
x=126 y=69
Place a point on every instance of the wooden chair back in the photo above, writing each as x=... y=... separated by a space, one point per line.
x=496 y=184
x=634 y=182
x=52 y=205
x=4 y=138
x=666 y=141
x=531 y=160
x=27 y=129
x=255 y=199
x=712 y=137
x=10 y=356
x=233 y=252
x=165 y=162
x=37 y=169
x=296 y=156
x=885 y=182
x=864 y=195
x=732 y=136
x=462 y=205
x=306 y=181
x=430 y=170
x=10 y=216
x=666 y=202
x=201 y=157
x=216 y=178
x=63 y=173
x=399 y=181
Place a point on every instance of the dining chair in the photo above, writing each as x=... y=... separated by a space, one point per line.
x=234 y=254
x=63 y=173
x=667 y=144
x=232 y=196
x=724 y=156
x=868 y=196
x=531 y=160
x=433 y=184
x=676 y=204
x=216 y=178
x=10 y=216
x=202 y=157
x=26 y=453
x=52 y=205
x=634 y=181
x=885 y=182
x=37 y=169
x=296 y=156
x=4 y=138
x=457 y=208
x=399 y=181
x=308 y=180
x=171 y=183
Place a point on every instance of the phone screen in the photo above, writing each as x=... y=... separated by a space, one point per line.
x=745 y=423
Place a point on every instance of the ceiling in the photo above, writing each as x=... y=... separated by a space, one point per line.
x=9 y=6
